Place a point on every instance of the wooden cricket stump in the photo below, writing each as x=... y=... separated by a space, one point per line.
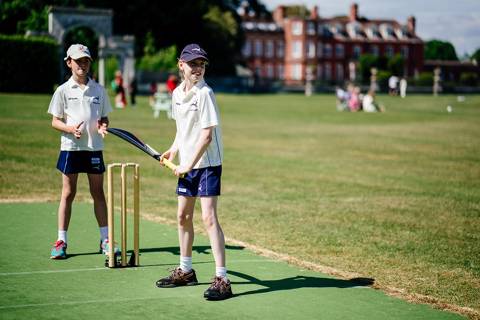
x=112 y=257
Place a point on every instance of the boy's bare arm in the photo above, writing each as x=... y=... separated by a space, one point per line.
x=58 y=124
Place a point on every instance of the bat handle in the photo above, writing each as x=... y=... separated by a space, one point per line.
x=169 y=164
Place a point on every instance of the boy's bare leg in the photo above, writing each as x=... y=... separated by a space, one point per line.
x=215 y=233
x=99 y=204
x=186 y=205
x=69 y=189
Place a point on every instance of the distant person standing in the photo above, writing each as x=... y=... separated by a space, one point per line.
x=172 y=83
x=392 y=86
x=133 y=91
x=403 y=87
x=79 y=110
x=120 y=99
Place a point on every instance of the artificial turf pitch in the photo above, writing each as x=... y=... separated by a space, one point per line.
x=80 y=287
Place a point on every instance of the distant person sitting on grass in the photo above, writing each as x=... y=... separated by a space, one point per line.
x=369 y=104
x=355 y=100
x=79 y=110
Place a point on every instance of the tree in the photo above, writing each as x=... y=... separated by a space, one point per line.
x=214 y=24
x=476 y=55
x=439 y=50
x=396 y=65
x=366 y=62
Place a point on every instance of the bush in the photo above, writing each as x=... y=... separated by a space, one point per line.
x=469 y=79
x=424 y=79
x=28 y=64
x=382 y=79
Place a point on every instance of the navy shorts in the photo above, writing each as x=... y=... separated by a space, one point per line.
x=202 y=182
x=81 y=162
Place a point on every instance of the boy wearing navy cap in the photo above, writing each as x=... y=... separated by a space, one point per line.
x=198 y=142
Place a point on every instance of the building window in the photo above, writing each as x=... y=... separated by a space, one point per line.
x=311 y=28
x=357 y=51
x=247 y=49
x=258 y=48
x=297 y=28
x=319 y=50
x=328 y=71
x=319 y=72
x=270 y=71
x=311 y=49
x=404 y=51
x=340 y=72
x=297 y=49
x=339 y=50
x=281 y=71
x=374 y=50
x=327 y=50
x=280 y=49
x=297 y=71
x=269 y=49
x=389 y=51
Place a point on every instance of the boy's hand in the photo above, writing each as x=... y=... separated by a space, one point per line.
x=102 y=128
x=77 y=131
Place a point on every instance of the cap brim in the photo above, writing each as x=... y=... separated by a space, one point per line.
x=79 y=56
x=193 y=57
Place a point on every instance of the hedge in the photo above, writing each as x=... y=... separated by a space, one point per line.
x=28 y=64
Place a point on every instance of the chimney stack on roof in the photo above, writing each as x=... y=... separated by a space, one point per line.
x=411 y=22
x=353 y=12
x=314 y=13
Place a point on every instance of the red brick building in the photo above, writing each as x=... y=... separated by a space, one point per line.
x=290 y=48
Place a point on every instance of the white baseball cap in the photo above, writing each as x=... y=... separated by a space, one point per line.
x=77 y=51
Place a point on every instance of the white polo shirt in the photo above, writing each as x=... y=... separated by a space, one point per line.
x=193 y=111
x=74 y=105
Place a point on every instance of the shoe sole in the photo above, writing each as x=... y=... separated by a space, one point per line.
x=58 y=257
x=226 y=296
x=218 y=298
x=177 y=285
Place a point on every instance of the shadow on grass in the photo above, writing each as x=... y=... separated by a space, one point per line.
x=297 y=282
x=197 y=249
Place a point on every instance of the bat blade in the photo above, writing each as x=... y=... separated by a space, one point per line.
x=132 y=139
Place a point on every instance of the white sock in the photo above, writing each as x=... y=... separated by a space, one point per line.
x=221 y=272
x=62 y=235
x=185 y=263
x=103 y=233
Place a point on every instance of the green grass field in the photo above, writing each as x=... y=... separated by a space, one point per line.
x=392 y=196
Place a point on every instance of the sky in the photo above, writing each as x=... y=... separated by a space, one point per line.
x=456 y=21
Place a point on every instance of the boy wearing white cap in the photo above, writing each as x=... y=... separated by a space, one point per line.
x=198 y=142
x=79 y=110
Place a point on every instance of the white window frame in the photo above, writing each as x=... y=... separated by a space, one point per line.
x=297 y=49
x=247 y=49
x=297 y=28
x=311 y=28
x=339 y=50
x=269 y=49
x=296 y=71
x=311 y=49
x=280 y=49
x=327 y=50
x=258 y=48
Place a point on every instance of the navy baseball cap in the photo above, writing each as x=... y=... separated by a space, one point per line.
x=192 y=52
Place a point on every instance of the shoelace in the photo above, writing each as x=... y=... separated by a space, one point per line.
x=59 y=244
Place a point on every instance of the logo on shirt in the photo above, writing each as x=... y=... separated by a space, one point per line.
x=72 y=98
x=96 y=100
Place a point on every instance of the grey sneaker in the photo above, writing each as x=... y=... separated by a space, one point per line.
x=178 y=278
